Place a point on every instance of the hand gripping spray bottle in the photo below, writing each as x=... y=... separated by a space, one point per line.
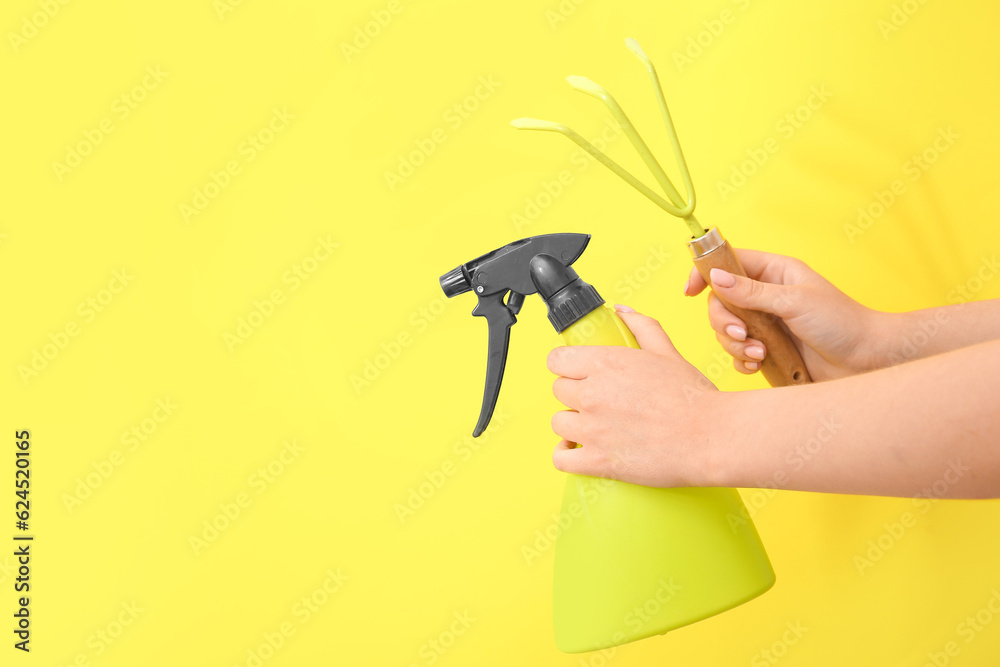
x=630 y=561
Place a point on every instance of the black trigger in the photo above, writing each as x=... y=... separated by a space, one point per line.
x=514 y=302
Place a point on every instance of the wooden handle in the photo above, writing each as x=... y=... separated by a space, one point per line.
x=783 y=364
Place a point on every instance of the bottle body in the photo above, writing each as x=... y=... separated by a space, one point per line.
x=633 y=561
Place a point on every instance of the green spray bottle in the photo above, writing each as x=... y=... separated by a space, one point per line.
x=630 y=561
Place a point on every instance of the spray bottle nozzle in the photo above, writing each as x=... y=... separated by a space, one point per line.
x=568 y=297
x=535 y=264
x=455 y=282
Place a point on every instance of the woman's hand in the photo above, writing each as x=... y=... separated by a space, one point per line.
x=643 y=416
x=835 y=335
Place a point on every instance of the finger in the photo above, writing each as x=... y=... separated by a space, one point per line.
x=751 y=350
x=571 y=361
x=769 y=267
x=569 y=424
x=567 y=392
x=695 y=283
x=648 y=333
x=746 y=367
x=567 y=457
x=724 y=322
x=754 y=349
x=753 y=294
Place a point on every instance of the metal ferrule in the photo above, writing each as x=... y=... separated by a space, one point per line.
x=703 y=245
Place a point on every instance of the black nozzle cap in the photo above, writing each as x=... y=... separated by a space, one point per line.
x=568 y=297
x=454 y=282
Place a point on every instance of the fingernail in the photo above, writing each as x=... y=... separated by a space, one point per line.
x=751 y=365
x=755 y=352
x=722 y=278
x=686 y=285
x=737 y=332
x=623 y=309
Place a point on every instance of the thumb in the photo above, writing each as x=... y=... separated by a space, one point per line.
x=752 y=294
x=647 y=331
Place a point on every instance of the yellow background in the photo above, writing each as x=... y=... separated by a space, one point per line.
x=364 y=447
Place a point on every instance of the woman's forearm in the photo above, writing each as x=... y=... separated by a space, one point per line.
x=924 y=333
x=930 y=427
